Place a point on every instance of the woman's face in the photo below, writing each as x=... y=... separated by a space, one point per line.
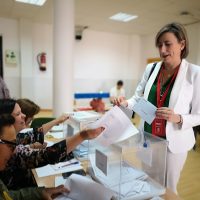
x=6 y=150
x=19 y=118
x=170 y=49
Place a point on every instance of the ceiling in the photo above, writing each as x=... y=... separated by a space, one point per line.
x=95 y=13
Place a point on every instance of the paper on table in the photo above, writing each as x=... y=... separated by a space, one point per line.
x=117 y=127
x=117 y=173
x=146 y=110
x=67 y=163
x=82 y=187
x=49 y=143
x=84 y=115
x=57 y=128
x=48 y=170
x=59 y=180
x=58 y=134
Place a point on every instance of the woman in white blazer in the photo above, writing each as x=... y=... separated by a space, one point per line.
x=172 y=86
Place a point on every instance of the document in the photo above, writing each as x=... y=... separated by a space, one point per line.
x=59 y=180
x=57 y=134
x=57 y=128
x=146 y=110
x=84 y=115
x=118 y=127
x=82 y=187
x=58 y=168
x=126 y=111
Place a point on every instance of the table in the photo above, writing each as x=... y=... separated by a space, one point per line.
x=49 y=182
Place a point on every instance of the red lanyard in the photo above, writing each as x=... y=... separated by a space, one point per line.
x=161 y=99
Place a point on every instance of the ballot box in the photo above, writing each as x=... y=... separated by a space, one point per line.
x=133 y=169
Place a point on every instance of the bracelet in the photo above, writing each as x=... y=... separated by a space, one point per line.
x=181 y=119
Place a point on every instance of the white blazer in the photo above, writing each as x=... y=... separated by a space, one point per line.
x=184 y=100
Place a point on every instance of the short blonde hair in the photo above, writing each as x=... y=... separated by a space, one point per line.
x=179 y=31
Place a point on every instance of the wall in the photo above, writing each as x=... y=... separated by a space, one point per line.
x=100 y=59
x=103 y=58
x=9 y=29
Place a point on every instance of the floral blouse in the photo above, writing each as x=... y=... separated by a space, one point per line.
x=18 y=171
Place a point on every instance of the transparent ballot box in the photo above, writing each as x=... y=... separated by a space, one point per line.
x=133 y=169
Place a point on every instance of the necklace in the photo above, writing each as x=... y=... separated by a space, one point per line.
x=163 y=79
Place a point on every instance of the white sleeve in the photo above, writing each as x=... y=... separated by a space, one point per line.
x=139 y=92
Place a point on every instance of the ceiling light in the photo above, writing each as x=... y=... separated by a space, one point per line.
x=123 y=17
x=34 y=2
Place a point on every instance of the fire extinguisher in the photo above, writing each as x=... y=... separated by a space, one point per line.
x=41 y=58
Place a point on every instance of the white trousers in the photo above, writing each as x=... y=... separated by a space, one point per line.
x=175 y=163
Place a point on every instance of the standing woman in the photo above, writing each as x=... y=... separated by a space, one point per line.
x=172 y=87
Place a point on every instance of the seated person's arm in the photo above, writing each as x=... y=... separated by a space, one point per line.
x=30 y=158
x=46 y=127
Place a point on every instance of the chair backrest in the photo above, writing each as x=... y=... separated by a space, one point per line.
x=39 y=121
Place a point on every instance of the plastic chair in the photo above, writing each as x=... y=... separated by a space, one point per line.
x=39 y=121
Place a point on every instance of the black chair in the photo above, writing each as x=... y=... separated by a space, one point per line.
x=39 y=121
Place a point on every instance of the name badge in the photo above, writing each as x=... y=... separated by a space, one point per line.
x=158 y=127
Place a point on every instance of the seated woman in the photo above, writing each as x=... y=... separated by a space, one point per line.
x=30 y=109
x=17 y=173
x=7 y=147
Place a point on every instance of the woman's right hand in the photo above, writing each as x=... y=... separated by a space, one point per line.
x=91 y=133
x=120 y=101
x=51 y=193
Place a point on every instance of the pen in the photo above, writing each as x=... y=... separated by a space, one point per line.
x=70 y=163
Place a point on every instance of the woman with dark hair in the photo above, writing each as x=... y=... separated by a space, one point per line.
x=173 y=88
x=18 y=173
x=7 y=147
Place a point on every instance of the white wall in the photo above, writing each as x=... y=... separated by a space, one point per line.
x=100 y=59
x=9 y=29
x=103 y=58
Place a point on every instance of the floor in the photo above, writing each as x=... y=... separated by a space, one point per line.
x=189 y=184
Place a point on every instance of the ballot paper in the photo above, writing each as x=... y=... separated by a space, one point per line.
x=57 y=128
x=117 y=126
x=146 y=110
x=58 y=168
x=82 y=187
x=118 y=173
x=57 y=134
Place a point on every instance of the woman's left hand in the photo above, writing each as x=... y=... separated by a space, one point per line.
x=62 y=118
x=167 y=114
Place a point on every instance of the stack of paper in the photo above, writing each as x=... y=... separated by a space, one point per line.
x=57 y=128
x=67 y=166
x=82 y=118
x=82 y=150
x=82 y=187
x=117 y=174
x=57 y=135
x=118 y=127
